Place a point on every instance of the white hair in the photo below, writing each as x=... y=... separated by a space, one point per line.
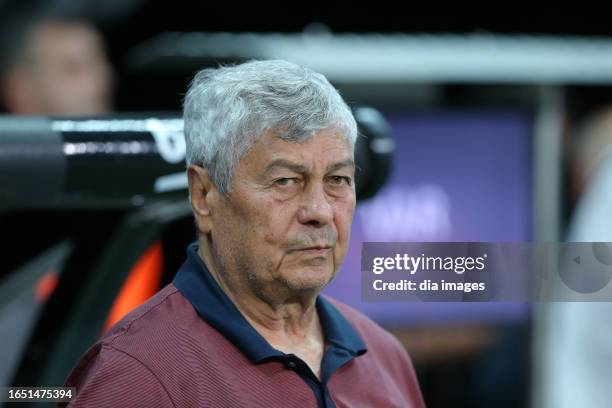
x=227 y=109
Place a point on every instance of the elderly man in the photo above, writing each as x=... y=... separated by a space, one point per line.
x=243 y=324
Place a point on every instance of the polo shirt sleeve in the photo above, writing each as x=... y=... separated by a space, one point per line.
x=108 y=377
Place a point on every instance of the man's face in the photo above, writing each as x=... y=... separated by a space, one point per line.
x=70 y=74
x=286 y=222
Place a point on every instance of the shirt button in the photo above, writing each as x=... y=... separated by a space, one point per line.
x=290 y=364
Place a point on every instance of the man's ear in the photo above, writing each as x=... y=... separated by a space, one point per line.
x=201 y=192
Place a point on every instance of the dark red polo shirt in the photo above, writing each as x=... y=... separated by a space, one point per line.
x=189 y=346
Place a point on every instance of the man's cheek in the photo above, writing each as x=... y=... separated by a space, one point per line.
x=343 y=224
x=345 y=206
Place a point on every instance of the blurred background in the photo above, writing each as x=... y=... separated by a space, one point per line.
x=473 y=131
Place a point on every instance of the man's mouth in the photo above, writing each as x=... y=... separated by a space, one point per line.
x=315 y=250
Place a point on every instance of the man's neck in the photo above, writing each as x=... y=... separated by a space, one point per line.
x=289 y=324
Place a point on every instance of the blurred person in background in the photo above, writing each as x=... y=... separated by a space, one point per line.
x=53 y=65
x=577 y=347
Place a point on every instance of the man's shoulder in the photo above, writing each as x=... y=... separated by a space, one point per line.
x=386 y=358
x=127 y=358
x=161 y=310
x=147 y=331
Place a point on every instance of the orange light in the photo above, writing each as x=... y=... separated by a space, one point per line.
x=45 y=286
x=142 y=282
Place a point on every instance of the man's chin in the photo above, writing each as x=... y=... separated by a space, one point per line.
x=311 y=281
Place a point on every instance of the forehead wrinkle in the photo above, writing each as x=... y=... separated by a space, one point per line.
x=284 y=159
x=286 y=164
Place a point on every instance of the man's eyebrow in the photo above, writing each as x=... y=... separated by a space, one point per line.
x=341 y=164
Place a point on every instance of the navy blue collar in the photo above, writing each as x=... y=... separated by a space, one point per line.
x=194 y=281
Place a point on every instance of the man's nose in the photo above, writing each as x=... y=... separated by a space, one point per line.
x=316 y=208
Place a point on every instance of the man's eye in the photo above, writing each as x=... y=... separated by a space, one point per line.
x=340 y=180
x=285 y=181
